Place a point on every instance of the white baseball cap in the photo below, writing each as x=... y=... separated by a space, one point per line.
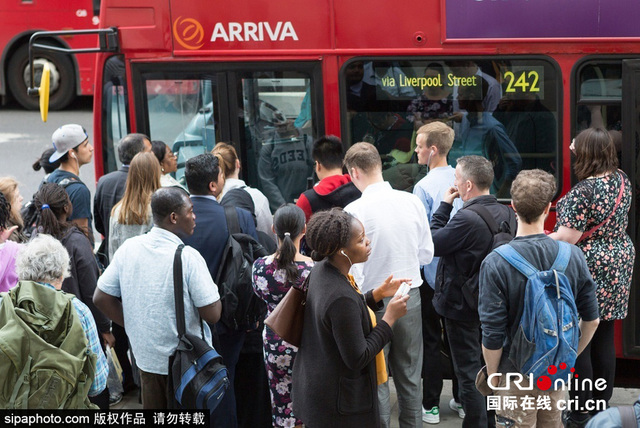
x=66 y=138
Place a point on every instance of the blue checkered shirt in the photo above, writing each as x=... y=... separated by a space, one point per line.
x=90 y=330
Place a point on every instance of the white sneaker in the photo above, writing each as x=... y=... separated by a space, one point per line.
x=432 y=416
x=456 y=407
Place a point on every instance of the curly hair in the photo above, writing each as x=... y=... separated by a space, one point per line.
x=43 y=259
x=327 y=232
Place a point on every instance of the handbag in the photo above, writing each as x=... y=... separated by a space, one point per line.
x=287 y=318
x=197 y=378
x=590 y=232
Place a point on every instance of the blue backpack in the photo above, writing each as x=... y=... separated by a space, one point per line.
x=548 y=333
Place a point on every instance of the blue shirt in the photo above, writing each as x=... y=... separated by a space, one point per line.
x=141 y=273
x=430 y=190
x=90 y=330
x=78 y=194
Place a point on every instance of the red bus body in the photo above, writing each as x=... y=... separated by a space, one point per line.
x=72 y=75
x=585 y=60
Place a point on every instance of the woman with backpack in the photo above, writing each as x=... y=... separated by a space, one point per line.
x=230 y=164
x=55 y=207
x=132 y=215
x=594 y=216
x=272 y=277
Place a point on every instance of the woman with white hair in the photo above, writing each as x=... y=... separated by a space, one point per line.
x=44 y=263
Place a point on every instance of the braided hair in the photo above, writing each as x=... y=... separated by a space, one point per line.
x=327 y=232
x=288 y=222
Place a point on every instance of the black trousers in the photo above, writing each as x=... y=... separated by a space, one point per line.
x=598 y=361
x=121 y=348
x=434 y=365
x=466 y=352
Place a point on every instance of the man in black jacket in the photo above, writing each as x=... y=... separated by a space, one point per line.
x=462 y=244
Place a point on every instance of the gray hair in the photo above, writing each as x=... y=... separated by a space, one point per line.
x=477 y=170
x=44 y=259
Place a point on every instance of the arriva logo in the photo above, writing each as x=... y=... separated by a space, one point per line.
x=188 y=32
x=253 y=31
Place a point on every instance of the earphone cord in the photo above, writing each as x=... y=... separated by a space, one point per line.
x=348 y=258
x=429 y=161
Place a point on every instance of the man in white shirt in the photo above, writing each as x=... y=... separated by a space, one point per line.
x=141 y=274
x=400 y=237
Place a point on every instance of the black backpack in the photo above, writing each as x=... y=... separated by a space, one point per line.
x=240 y=198
x=30 y=213
x=241 y=308
x=502 y=234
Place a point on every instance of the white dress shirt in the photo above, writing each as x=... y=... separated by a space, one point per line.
x=396 y=223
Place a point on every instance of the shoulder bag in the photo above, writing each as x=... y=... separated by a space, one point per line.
x=594 y=229
x=287 y=318
x=197 y=377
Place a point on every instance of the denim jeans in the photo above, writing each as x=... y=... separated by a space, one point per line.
x=404 y=359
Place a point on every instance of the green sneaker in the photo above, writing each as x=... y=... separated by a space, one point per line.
x=431 y=416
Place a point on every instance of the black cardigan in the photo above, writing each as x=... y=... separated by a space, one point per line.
x=334 y=374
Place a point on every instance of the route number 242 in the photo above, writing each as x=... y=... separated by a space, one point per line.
x=523 y=81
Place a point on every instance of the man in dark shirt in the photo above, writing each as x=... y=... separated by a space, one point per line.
x=110 y=188
x=462 y=244
x=73 y=150
x=502 y=293
x=205 y=181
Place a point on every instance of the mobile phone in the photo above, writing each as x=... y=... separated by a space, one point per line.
x=403 y=290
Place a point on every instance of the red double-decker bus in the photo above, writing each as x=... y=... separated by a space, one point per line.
x=271 y=76
x=70 y=75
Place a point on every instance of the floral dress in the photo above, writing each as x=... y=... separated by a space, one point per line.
x=609 y=250
x=270 y=285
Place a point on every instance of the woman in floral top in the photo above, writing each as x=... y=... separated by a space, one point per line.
x=591 y=206
x=272 y=277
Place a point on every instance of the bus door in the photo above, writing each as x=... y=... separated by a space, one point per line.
x=630 y=161
x=270 y=112
x=607 y=95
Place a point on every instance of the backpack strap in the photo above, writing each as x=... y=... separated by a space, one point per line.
x=628 y=417
x=486 y=216
x=562 y=259
x=516 y=260
x=233 y=224
x=178 y=290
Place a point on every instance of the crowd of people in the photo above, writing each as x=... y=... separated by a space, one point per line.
x=352 y=241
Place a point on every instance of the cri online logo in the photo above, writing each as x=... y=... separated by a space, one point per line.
x=544 y=383
x=188 y=32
